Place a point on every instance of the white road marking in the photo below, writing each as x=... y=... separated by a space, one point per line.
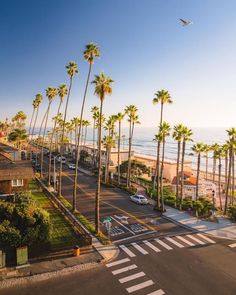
x=124 y=269
x=118 y=262
x=152 y=246
x=164 y=244
x=185 y=241
x=140 y=249
x=196 y=240
x=127 y=251
x=232 y=245
x=139 y=286
x=123 y=225
x=174 y=242
x=132 y=277
x=206 y=238
x=136 y=236
x=157 y=292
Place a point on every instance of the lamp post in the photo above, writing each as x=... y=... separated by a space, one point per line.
x=213 y=203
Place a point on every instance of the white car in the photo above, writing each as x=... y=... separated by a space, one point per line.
x=61 y=159
x=139 y=199
x=71 y=165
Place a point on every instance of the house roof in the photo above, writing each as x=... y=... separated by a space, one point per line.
x=15 y=170
x=190 y=181
x=7 y=148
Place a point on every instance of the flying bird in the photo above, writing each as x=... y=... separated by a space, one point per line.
x=185 y=22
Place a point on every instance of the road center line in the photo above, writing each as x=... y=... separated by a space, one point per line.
x=132 y=277
x=117 y=262
x=124 y=269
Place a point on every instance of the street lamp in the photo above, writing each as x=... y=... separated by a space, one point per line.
x=213 y=203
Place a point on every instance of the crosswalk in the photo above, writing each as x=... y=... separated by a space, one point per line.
x=167 y=243
x=232 y=245
x=132 y=279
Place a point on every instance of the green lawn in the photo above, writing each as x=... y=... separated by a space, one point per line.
x=62 y=234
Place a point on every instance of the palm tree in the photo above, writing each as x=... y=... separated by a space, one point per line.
x=177 y=135
x=72 y=70
x=219 y=155
x=35 y=105
x=86 y=124
x=51 y=93
x=108 y=143
x=214 y=148
x=103 y=87
x=207 y=148
x=91 y=52
x=187 y=134
x=18 y=135
x=76 y=121
x=163 y=133
x=162 y=97
x=131 y=112
x=119 y=118
x=95 y=115
x=198 y=148
x=19 y=120
x=62 y=92
x=38 y=99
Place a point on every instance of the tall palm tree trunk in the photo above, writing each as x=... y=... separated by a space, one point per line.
x=161 y=177
x=228 y=180
x=158 y=174
x=226 y=168
x=129 y=156
x=219 y=182
x=206 y=165
x=38 y=138
x=79 y=134
x=32 y=133
x=214 y=168
x=62 y=139
x=198 y=173
x=31 y=120
x=98 y=192
x=118 y=159
x=177 y=173
x=94 y=125
x=233 y=182
x=44 y=132
x=182 y=175
x=51 y=144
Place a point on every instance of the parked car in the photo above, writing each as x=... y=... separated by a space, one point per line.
x=139 y=199
x=71 y=165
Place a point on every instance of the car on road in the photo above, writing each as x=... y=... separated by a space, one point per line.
x=71 y=165
x=139 y=199
x=61 y=159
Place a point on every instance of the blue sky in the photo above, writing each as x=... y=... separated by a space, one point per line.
x=144 y=49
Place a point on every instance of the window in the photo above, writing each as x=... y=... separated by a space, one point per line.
x=17 y=182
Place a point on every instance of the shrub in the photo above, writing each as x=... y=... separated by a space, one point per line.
x=232 y=212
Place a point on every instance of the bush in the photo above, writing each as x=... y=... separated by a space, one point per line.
x=232 y=212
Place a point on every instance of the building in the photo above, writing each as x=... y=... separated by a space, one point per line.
x=205 y=187
x=169 y=170
x=15 y=174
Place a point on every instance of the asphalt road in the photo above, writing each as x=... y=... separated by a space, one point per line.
x=156 y=256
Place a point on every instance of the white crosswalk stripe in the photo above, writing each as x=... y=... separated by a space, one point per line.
x=174 y=242
x=185 y=241
x=124 y=269
x=232 y=245
x=206 y=238
x=163 y=244
x=139 y=286
x=151 y=246
x=127 y=251
x=140 y=249
x=196 y=240
x=157 y=292
x=132 y=277
x=117 y=262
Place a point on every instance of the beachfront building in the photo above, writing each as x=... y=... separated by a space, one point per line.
x=169 y=170
x=113 y=155
x=205 y=187
x=15 y=174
